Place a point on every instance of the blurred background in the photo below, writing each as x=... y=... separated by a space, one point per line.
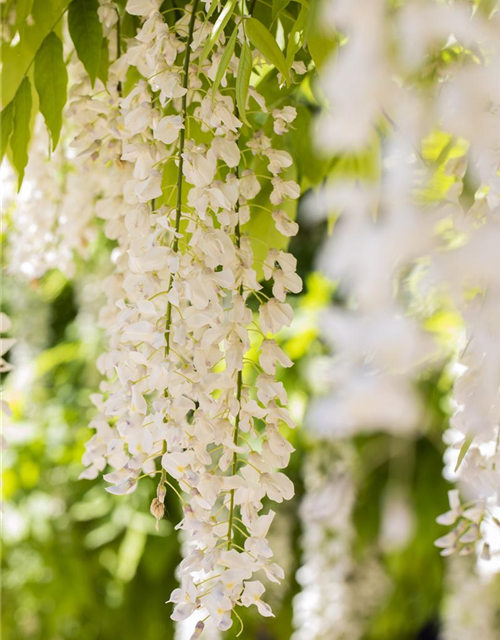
x=356 y=541
x=80 y=563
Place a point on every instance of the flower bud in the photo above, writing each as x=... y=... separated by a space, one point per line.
x=157 y=510
x=161 y=492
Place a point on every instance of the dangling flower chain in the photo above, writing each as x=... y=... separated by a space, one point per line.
x=176 y=388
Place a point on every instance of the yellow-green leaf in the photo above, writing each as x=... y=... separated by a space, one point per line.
x=212 y=8
x=262 y=40
x=21 y=132
x=463 y=451
x=297 y=36
x=278 y=6
x=320 y=46
x=243 y=81
x=217 y=29
x=6 y=120
x=224 y=61
x=86 y=32
x=51 y=82
x=23 y=10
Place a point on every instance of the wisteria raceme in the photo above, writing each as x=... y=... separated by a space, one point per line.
x=178 y=386
x=173 y=142
x=425 y=239
x=54 y=211
x=52 y=221
x=471 y=609
x=338 y=594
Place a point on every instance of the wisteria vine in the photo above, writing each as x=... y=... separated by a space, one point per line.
x=180 y=318
x=176 y=148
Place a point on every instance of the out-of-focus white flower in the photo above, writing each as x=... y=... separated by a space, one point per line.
x=338 y=595
x=388 y=249
x=142 y=7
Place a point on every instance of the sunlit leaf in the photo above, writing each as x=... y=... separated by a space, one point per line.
x=278 y=6
x=212 y=8
x=297 y=36
x=224 y=61
x=217 y=29
x=320 y=46
x=243 y=81
x=261 y=38
x=23 y=10
x=463 y=451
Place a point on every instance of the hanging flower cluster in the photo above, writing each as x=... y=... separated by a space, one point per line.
x=53 y=215
x=471 y=609
x=379 y=347
x=54 y=211
x=338 y=593
x=175 y=149
x=181 y=391
x=427 y=237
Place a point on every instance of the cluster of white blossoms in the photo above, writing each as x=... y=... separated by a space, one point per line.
x=53 y=213
x=472 y=607
x=181 y=398
x=378 y=346
x=424 y=233
x=338 y=593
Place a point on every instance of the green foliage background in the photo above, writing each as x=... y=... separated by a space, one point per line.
x=84 y=564
x=78 y=563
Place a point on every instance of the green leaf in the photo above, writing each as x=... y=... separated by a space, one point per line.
x=103 y=70
x=51 y=82
x=224 y=61
x=463 y=451
x=297 y=36
x=212 y=8
x=23 y=10
x=86 y=32
x=243 y=81
x=261 y=228
x=6 y=120
x=18 y=58
x=320 y=46
x=278 y=6
x=217 y=29
x=21 y=131
x=260 y=37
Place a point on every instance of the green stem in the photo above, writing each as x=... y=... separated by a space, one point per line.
x=235 y=460
x=182 y=137
x=239 y=385
x=118 y=48
x=239 y=380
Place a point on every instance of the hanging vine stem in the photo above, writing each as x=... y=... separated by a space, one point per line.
x=239 y=386
x=175 y=245
x=182 y=137
x=239 y=382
